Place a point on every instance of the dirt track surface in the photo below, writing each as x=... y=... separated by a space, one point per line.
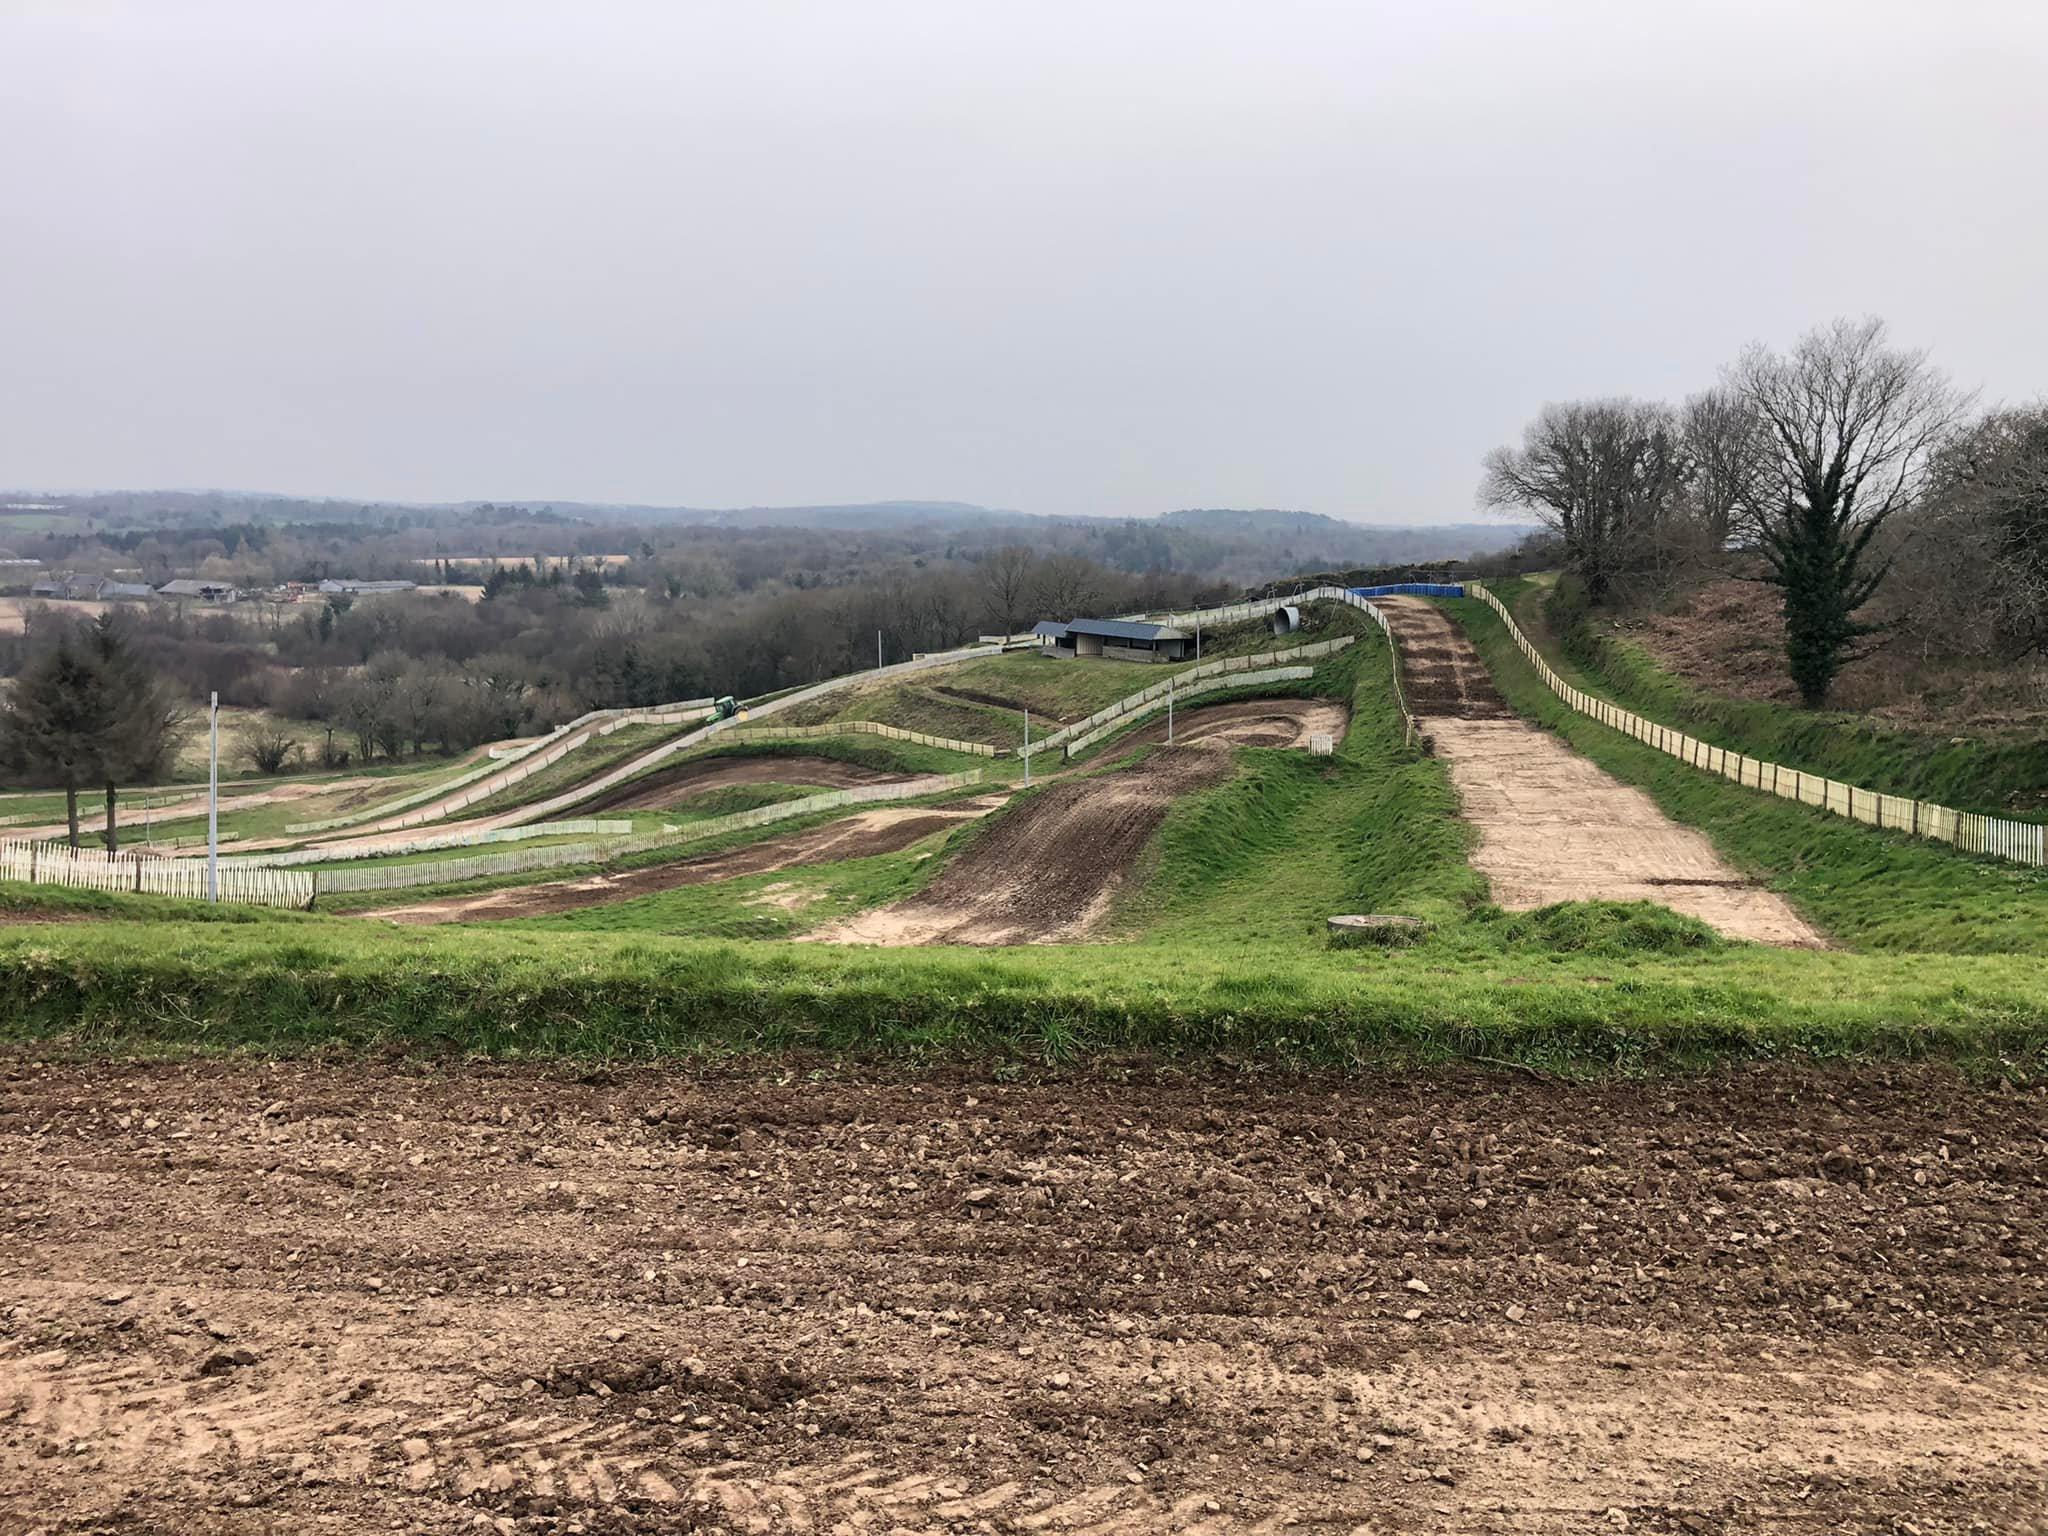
x=1249 y=723
x=688 y=780
x=1552 y=826
x=357 y=1298
x=1046 y=872
x=859 y=836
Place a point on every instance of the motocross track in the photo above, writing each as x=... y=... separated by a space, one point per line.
x=669 y=787
x=412 y=1298
x=1552 y=826
x=858 y=836
x=1047 y=872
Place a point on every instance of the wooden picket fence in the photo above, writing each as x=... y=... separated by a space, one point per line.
x=2023 y=842
x=1155 y=703
x=139 y=874
x=1063 y=739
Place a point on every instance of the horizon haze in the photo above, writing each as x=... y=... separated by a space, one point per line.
x=1077 y=261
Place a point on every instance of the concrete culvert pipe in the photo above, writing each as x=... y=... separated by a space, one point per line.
x=1286 y=620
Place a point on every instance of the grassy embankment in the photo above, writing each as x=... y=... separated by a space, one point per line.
x=1867 y=889
x=1226 y=955
x=2004 y=777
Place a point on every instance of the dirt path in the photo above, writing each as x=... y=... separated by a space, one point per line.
x=1046 y=872
x=286 y=1298
x=858 y=836
x=687 y=780
x=1552 y=826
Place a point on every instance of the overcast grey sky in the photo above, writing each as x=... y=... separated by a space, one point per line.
x=1097 y=257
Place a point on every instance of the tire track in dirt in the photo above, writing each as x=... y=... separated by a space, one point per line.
x=1776 y=1300
x=1552 y=825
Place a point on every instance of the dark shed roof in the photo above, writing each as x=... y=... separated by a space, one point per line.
x=1124 y=629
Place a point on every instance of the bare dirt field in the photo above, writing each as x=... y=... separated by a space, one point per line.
x=669 y=787
x=1552 y=826
x=406 y=1298
x=859 y=836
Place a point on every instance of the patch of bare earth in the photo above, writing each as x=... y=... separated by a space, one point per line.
x=1729 y=638
x=375 y=1298
x=859 y=836
x=1552 y=826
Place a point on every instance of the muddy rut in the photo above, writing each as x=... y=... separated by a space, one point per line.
x=1552 y=826
x=246 y=1301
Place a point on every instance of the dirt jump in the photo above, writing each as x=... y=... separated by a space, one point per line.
x=667 y=788
x=248 y=1299
x=1552 y=826
x=1047 y=872
x=858 y=836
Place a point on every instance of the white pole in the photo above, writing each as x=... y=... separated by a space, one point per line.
x=1169 y=711
x=878 y=650
x=213 y=799
x=1027 y=749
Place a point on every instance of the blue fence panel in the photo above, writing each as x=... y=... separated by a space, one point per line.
x=1410 y=589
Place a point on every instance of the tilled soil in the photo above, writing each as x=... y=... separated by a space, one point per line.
x=1552 y=825
x=688 y=780
x=1046 y=872
x=860 y=836
x=288 y=1298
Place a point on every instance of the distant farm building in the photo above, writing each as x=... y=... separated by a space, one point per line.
x=1115 y=639
x=124 y=591
x=193 y=590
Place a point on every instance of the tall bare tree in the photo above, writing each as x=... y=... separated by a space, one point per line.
x=1729 y=450
x=1005 y=579
x=1603 y=475
x=1852 y=424
x=1067 y=586
x=1987 y=518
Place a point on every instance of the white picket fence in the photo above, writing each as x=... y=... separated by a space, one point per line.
x=485 y=866
x=336 y=853
x=97 y=870
x=1155 y=703
x=549 y=749
x=2022 y=842
x=1182 y=681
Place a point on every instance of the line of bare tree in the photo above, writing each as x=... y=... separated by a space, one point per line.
x=1842 y=465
